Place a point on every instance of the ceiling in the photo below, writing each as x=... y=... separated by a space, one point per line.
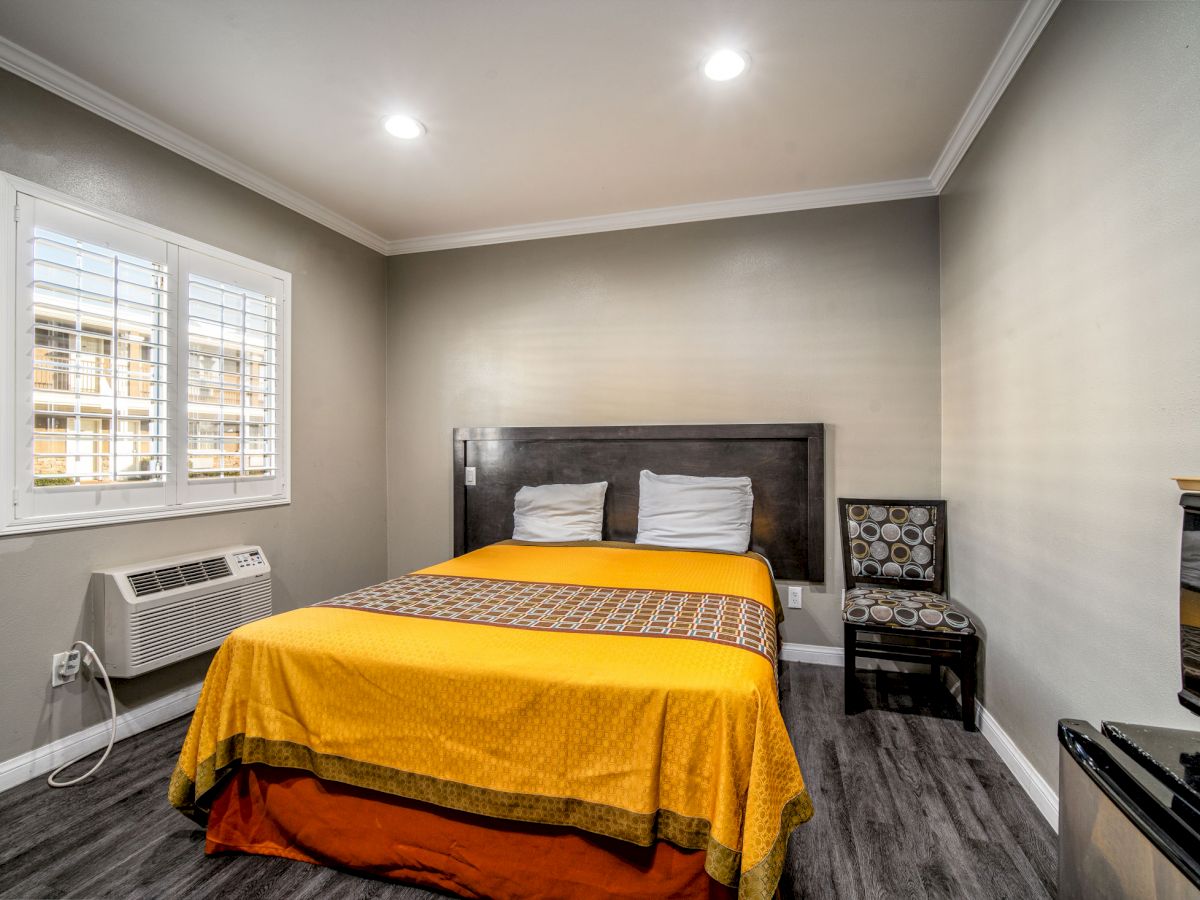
x=537 y=110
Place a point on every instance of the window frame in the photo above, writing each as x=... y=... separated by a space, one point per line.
x=181 y=498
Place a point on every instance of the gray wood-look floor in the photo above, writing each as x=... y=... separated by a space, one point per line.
x=908 y=806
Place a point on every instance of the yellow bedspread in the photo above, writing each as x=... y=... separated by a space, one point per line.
x=641 y=737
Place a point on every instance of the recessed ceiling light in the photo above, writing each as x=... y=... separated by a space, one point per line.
x=405 y=127
x=725 y=64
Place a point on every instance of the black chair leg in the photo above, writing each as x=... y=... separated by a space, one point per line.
x=966 y=675
x=850 y=637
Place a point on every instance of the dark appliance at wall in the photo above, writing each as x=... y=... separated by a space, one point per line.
x=1129 y=795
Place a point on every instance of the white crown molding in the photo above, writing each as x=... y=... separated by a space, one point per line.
x=1021 y=36
x=57 y=80
x=49 y=757
x=1017 y=43
x=671 y=215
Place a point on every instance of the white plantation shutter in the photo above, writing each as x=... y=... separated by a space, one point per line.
x=94 y=329
x=232 y=400
x=233 y=392
x=99 y=363
x=150 y=373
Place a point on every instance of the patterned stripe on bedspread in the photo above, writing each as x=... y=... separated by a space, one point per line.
x=720 y=618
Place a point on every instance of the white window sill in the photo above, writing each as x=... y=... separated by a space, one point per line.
x=120 y=518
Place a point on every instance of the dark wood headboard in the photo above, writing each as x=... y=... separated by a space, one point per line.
x=786 y=464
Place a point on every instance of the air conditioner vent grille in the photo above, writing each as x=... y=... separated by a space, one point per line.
x=194 y=623
x=155 y=581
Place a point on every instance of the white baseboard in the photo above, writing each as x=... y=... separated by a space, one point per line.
x=42 y=760
x=821 y=655
x=1038 y=789
x=812 y=653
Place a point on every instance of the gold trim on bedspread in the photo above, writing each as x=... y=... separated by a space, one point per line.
x=571 y=720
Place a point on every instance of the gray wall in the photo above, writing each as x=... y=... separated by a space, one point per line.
x=1048 y=399
x=1071 y=369
x=821 y=316
x=332 y=536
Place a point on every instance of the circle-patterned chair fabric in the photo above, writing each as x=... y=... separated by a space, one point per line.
x=892 y=541
x=915 y=610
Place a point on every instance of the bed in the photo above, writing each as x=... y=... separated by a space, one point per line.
x=531 y=720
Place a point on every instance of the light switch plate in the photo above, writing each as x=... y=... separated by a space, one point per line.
x=469 y=476
x=795 y=596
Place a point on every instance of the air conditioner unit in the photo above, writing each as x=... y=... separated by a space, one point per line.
x=152 y=614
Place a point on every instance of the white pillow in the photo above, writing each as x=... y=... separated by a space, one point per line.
x=559 y=512
x=696 y=513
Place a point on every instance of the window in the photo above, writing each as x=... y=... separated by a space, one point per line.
x=232 y=385
x=100 y=333
x=149 y=377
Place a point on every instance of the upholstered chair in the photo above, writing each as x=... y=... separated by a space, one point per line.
x=895 y=606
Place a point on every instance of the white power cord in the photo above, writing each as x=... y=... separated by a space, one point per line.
x=112 y=734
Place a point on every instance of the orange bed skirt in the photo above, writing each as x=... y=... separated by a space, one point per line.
x=293 y=814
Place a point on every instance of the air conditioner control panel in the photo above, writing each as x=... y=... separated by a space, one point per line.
x=251 y=559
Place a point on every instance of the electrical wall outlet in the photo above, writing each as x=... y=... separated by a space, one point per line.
x=469 y=476
x=795 y=596
x=65 y=668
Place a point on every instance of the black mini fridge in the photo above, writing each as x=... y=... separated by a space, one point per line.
x=1129 y=795
x=1128 y=812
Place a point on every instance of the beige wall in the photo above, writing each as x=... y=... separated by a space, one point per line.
x=332 y=536
x=1071 y=369
x=820 y=316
